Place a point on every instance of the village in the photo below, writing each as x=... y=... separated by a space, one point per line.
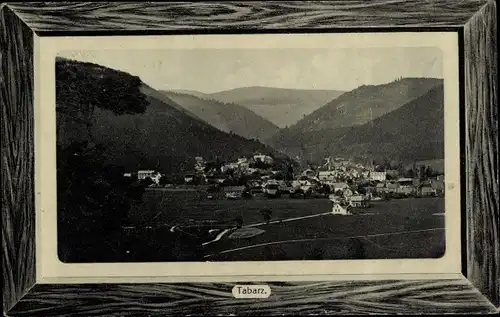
x=349 y=185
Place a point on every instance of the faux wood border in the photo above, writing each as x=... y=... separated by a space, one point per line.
x=478 y=292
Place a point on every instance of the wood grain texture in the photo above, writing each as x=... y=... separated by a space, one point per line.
x=18 y=210
x=481 y=98
x=320 y=298
x=234 y=15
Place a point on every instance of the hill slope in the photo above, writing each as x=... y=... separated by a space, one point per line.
x=161 y=135
x=225 y=116
x=365 y=103
x=283 y=107
x=195 y=93
x=412 y=132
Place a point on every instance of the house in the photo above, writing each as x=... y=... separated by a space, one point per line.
x=377 y=176
x=438 y=185
x=406 y=187
x=263 y=158
x=340 y=208
x=392 y=173
x=334 y=198
x=427 y=190
x=220 y=180
x=359 y=201
x=391 y=187
x=381 y=188
x=242 y=160
x=188 y=178
x=370 y=190
x=251 y=170
x=199 y=160
x=233 y=189
x=339 y=186
x=233 y=192
x=200 y=164
x=228 y=167
x=347 y=192
x=325 y=175
x=353 y=173
x=303 y=180
x=143 y=174
x=309 y=173
x=154 y=175
x=329 y=182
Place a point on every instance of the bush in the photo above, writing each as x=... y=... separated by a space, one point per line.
x=266 y=214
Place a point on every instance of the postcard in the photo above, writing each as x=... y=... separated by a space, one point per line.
x=263 y=156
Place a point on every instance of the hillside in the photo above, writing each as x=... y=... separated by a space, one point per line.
x=283 y=107
x=158 y=134
x=195 y=93
x=364 y=104
x=227 y=117
x=413 y=132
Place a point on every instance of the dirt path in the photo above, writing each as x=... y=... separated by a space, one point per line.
x=287 y=220
x=220 y=235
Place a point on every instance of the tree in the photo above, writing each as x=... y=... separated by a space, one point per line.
x=410 y=173
x=238 y=220
x=147 y=182
x=327 y=190
x=289 y=172
x=93 y=198
x=279 y=176
x=164 y=180
x=266 y=214
x=429 y=172
x=81 y=88
x=260 y=165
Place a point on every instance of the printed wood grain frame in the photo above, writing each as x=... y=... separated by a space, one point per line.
x=475 y=21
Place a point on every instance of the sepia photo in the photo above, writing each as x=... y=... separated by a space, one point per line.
x=204 y=151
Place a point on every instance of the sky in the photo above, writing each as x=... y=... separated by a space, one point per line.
x=213 y=70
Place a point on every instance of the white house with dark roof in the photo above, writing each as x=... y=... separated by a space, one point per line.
x=339 y=186
x=341 y=208
x=154 y=175
x=359 y=201
x=377 y=176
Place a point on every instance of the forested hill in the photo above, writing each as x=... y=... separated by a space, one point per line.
x=136 y=129
x=365 y=104
x=228 y=117
x=413 y=132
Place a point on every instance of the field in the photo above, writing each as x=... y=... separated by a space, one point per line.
x=299 y=229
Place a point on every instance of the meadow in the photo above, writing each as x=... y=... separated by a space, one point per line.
x=400 y=228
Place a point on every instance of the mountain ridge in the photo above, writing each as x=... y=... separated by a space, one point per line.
x=281 y=106
x=161 y=135
x=366 y=103
x=227 y=117
x=406 y=133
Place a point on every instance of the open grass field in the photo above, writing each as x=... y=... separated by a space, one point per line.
x=192 y=207
x=299 y=229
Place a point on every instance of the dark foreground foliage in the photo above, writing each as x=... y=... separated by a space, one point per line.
x=94 y=198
